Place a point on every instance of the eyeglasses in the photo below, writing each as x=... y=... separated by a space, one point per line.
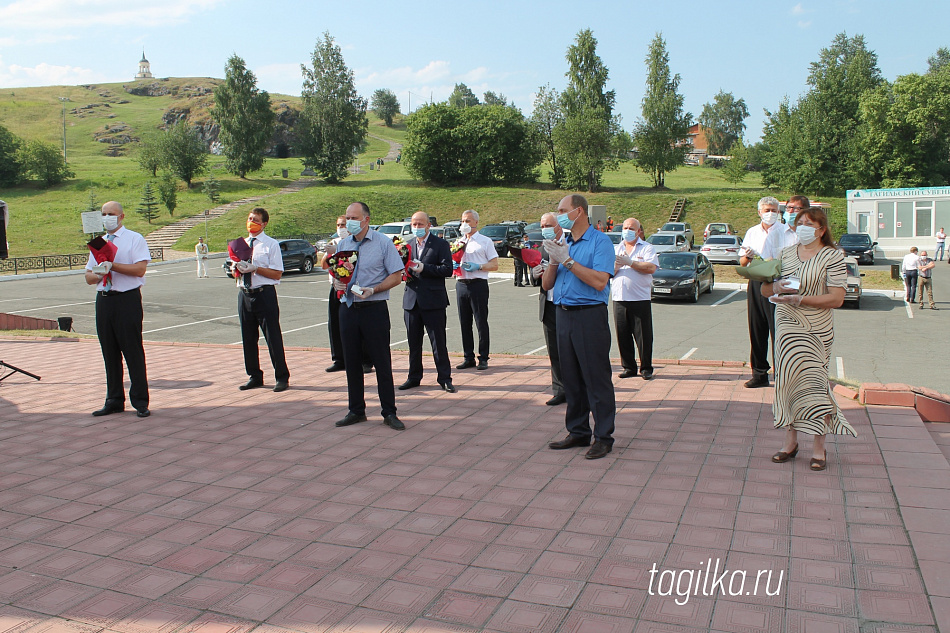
x=793 y=208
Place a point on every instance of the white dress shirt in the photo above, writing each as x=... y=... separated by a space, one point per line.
x=131 y=248
x=779 y=237
x=480 y=250
x=754 y=241
x=629 y=284
x=266 y=255
x=910 y=262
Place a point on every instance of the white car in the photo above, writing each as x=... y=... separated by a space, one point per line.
x=669 y=242
x=683 y=228
x=394 y=229
x=722 y=249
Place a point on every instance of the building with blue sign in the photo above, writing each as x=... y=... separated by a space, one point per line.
x=899 y=218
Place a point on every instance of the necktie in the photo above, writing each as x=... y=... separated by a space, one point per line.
x=247 y=276
x=349 y=294
x=108 y=285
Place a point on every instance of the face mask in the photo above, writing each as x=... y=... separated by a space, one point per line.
x=548 y=233
x=354 y=226
x=806 y=234
x=465 y=228
x=110 y=222
x=770 y=218
x=419 y=232
x=564 y=219
x=341 y=232
x=629 y=235
x=254 y=227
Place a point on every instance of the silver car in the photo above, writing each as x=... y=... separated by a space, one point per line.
x=683 y=228
x=722 y=249
x=669 y=242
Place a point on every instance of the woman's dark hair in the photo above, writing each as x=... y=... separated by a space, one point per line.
x=819 y=217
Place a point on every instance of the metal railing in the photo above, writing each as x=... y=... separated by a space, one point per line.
x=44 y=263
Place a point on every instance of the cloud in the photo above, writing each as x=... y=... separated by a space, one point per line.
x=42 y=15
x=15 y=76
x=804 y=24
x=798 y=9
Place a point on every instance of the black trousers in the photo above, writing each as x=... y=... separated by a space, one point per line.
x=259 y=311
x=333 y=323
x=910 y=278
x=761 y=329
x=633 y=321
x=367 y=324
x=119 y=326
x=521 y=272
x=433 y=322
x=549 y=322
x=583 y=341
x=472 y=296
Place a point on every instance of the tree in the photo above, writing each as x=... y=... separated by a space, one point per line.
x=333 y=122
x=584 y=137
x=490 y=98
x=245 y=117
x=44 y=162
x=168 y=192
x=93 y=204
x=939 y=60
x=10 y=168
x=723 y=121
x=462 y=97
x=212 y=189
x=545 y=119
x=184 y=152
x=660 y=134
x=736 y=168
x=148 y=206
x=151 y=154
x=385 y=105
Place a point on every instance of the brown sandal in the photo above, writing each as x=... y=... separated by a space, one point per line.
x=781 y=457
x=819 y=464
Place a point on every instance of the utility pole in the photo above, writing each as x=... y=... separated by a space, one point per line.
x=64 y=100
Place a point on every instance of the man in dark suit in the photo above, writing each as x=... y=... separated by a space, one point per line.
x=548 y=311
x=425 y=300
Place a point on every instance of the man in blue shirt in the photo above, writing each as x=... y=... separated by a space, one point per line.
x=579 y=275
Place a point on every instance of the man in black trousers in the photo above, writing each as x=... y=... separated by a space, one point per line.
x=548 y=311
x=333 y=309
x=425 y=300
x=119 y=312
x=257 y=302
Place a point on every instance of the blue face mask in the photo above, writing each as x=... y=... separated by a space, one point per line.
x=548 y=233
x=419 y=232
x=354 y=226
x=629 y=235
x=564 y=219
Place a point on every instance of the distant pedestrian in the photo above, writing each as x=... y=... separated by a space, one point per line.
x=909 y=272
x=941 y=243
x=600 y=226
x=610 y=224
x=925 y=268
x=201 y=254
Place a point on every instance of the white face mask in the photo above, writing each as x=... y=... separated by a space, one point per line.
x=769 y=218
x=465 y=228
x=341 y=232
x=110 y=222
x=806 y=234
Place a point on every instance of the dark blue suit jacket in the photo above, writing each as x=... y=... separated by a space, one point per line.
x=428 y=288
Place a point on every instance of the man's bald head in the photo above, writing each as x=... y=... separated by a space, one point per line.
x=420 y=219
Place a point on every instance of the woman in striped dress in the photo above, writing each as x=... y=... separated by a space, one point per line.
x=804 y=333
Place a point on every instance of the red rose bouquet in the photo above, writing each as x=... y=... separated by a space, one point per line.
x=458 y=249
x=404 y=254
x=102 y=251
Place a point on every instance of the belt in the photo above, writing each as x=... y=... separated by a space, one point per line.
x=366 y=304
x=470 y=281
x=112 y=293
x=586 y=306
x=250 y=291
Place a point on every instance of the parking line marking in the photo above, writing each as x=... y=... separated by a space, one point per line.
x=307 y=298
x=688 y=354
x=306 y=327
x=727 y=297
x=20 y=299
x=399 y=342
x=910 y=313
x=62 y=305
x=535 y=351
x=535 y=294
x=172 y=327
x=840 y=363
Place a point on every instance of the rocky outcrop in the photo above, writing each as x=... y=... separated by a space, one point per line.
x=153 y=89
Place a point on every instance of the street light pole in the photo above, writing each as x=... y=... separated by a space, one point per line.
x=64 y=100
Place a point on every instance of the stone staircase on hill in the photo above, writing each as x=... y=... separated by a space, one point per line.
x=167 y=236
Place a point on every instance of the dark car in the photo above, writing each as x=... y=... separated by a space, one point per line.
x=859 y=246
x=296 y=254
x=683 y=276
x=503 y=236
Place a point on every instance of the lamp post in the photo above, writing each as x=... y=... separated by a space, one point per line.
x=409 y=108
x=64 y=100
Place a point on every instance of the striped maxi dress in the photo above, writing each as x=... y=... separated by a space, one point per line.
x=803 y=339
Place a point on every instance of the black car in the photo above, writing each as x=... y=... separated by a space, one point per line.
x=683 y=275
x=296 y=254
x=503 y=236
x=859 y=246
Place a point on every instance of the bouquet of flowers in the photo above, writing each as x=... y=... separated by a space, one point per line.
x=530 y=256
x=340 y=265
x=102 y=251
x=404 y=252
x=458 y=249
x=239 y=251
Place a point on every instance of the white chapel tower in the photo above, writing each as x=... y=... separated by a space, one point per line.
x=144 y=70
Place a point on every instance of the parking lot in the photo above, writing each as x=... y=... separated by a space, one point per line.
x=884 y=341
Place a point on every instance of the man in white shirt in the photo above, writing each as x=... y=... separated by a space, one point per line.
x=119 y=313
x=909 y=271
x=257 y=302
x=631 y=289
x=201 y=254
x=941 y=243
x=479 y=259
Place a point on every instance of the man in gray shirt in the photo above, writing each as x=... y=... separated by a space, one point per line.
x=925 y=269
x=364 y=315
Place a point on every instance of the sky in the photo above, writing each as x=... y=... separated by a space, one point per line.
x=759 y=50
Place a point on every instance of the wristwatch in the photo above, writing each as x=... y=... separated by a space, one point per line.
x=569 y=264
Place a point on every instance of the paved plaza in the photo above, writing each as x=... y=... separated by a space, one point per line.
x=230 y=511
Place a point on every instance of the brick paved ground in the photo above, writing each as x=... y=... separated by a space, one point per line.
x=232 y=511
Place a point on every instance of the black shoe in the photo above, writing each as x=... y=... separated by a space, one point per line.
x=556 y=400
x=351 y=418
x=281 y=386
x=628 y=373
x=449 y=387
x=647 y=375
x=466 y=365
x=482 y=365
x=367 y=369
x=253 y=383
x=598 y=450
x=335 y=367
x=394 y=423
x=569 y=442
x=409 y=384
x=762 y=381
x=143 y=413
x=109 y=408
